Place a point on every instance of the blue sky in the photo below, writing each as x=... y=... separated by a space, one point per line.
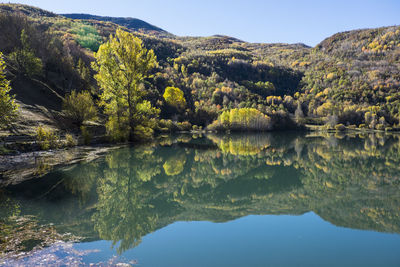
x=308 y=21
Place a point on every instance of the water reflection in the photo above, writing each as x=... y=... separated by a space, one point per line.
x=350 y=181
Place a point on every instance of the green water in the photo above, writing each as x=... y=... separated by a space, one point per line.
x=279 y=199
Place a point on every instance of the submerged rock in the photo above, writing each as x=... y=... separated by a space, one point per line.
x=15 y=169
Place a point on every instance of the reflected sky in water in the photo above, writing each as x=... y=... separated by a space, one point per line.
x=222 y=200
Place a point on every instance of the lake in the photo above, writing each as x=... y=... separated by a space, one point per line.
x=274 y=199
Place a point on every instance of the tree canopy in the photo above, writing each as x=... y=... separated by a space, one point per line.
x=8 y=107
x=122 y=65
x=79 y=107
x=174 y=97
x=25 y=59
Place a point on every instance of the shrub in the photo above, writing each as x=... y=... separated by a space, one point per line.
x=46 y=138
x=70 y=141
x=25 y=60
x=79 y=107
x=170 y=126
x=340 y=127
x=117 y=130
x=184 y=126
x=87 y=135
x=166 y=126
x=143 y=133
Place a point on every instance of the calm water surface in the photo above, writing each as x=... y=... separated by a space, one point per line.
x=279 y=199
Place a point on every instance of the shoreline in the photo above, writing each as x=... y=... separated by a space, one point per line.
x=17 y=168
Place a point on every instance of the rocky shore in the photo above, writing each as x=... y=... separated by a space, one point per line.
x=17 y=168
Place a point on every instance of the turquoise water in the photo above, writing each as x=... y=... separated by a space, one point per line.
x=259 y=241
x=233 y=200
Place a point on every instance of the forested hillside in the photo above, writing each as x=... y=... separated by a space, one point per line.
x=350 y=80
x=131 y=23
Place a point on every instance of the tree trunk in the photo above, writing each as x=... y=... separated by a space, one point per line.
x=130 y=119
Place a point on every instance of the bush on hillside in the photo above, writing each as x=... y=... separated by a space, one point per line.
x=79 y=107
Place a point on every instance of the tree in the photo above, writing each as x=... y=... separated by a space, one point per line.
x=174 y=165
x=122 y=65
x=24 y=58
x=174 y=97
x=87 y=36
x=83 y=71
x=8 y=107
x=242 y=119
x=124 y=211
x=265 y=88
x=79 y=107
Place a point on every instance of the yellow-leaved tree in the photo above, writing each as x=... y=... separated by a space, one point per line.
x=174 y=97
x=79 y=107
x=8 y=107
x=122 y=65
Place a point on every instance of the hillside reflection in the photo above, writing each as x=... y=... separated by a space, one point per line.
x=351 y=181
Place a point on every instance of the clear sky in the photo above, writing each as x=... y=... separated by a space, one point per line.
x=307 y=21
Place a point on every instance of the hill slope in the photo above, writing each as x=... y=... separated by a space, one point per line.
x=130 y=23
x=351 y=78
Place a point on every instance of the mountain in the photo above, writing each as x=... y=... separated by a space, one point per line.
x=26 y=10
x=130 y=23
x=350 y=79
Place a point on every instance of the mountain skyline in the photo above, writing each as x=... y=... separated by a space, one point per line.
x=307 y=22
x=350 y=79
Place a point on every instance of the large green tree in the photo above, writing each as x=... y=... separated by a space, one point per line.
x=8 y=107
x=122 y=65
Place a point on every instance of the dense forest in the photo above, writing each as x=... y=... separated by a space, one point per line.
x=66 y=79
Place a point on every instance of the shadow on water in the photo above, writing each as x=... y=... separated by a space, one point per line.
x=348 y=180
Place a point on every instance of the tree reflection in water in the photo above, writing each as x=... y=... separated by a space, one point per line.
x=351 y=181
